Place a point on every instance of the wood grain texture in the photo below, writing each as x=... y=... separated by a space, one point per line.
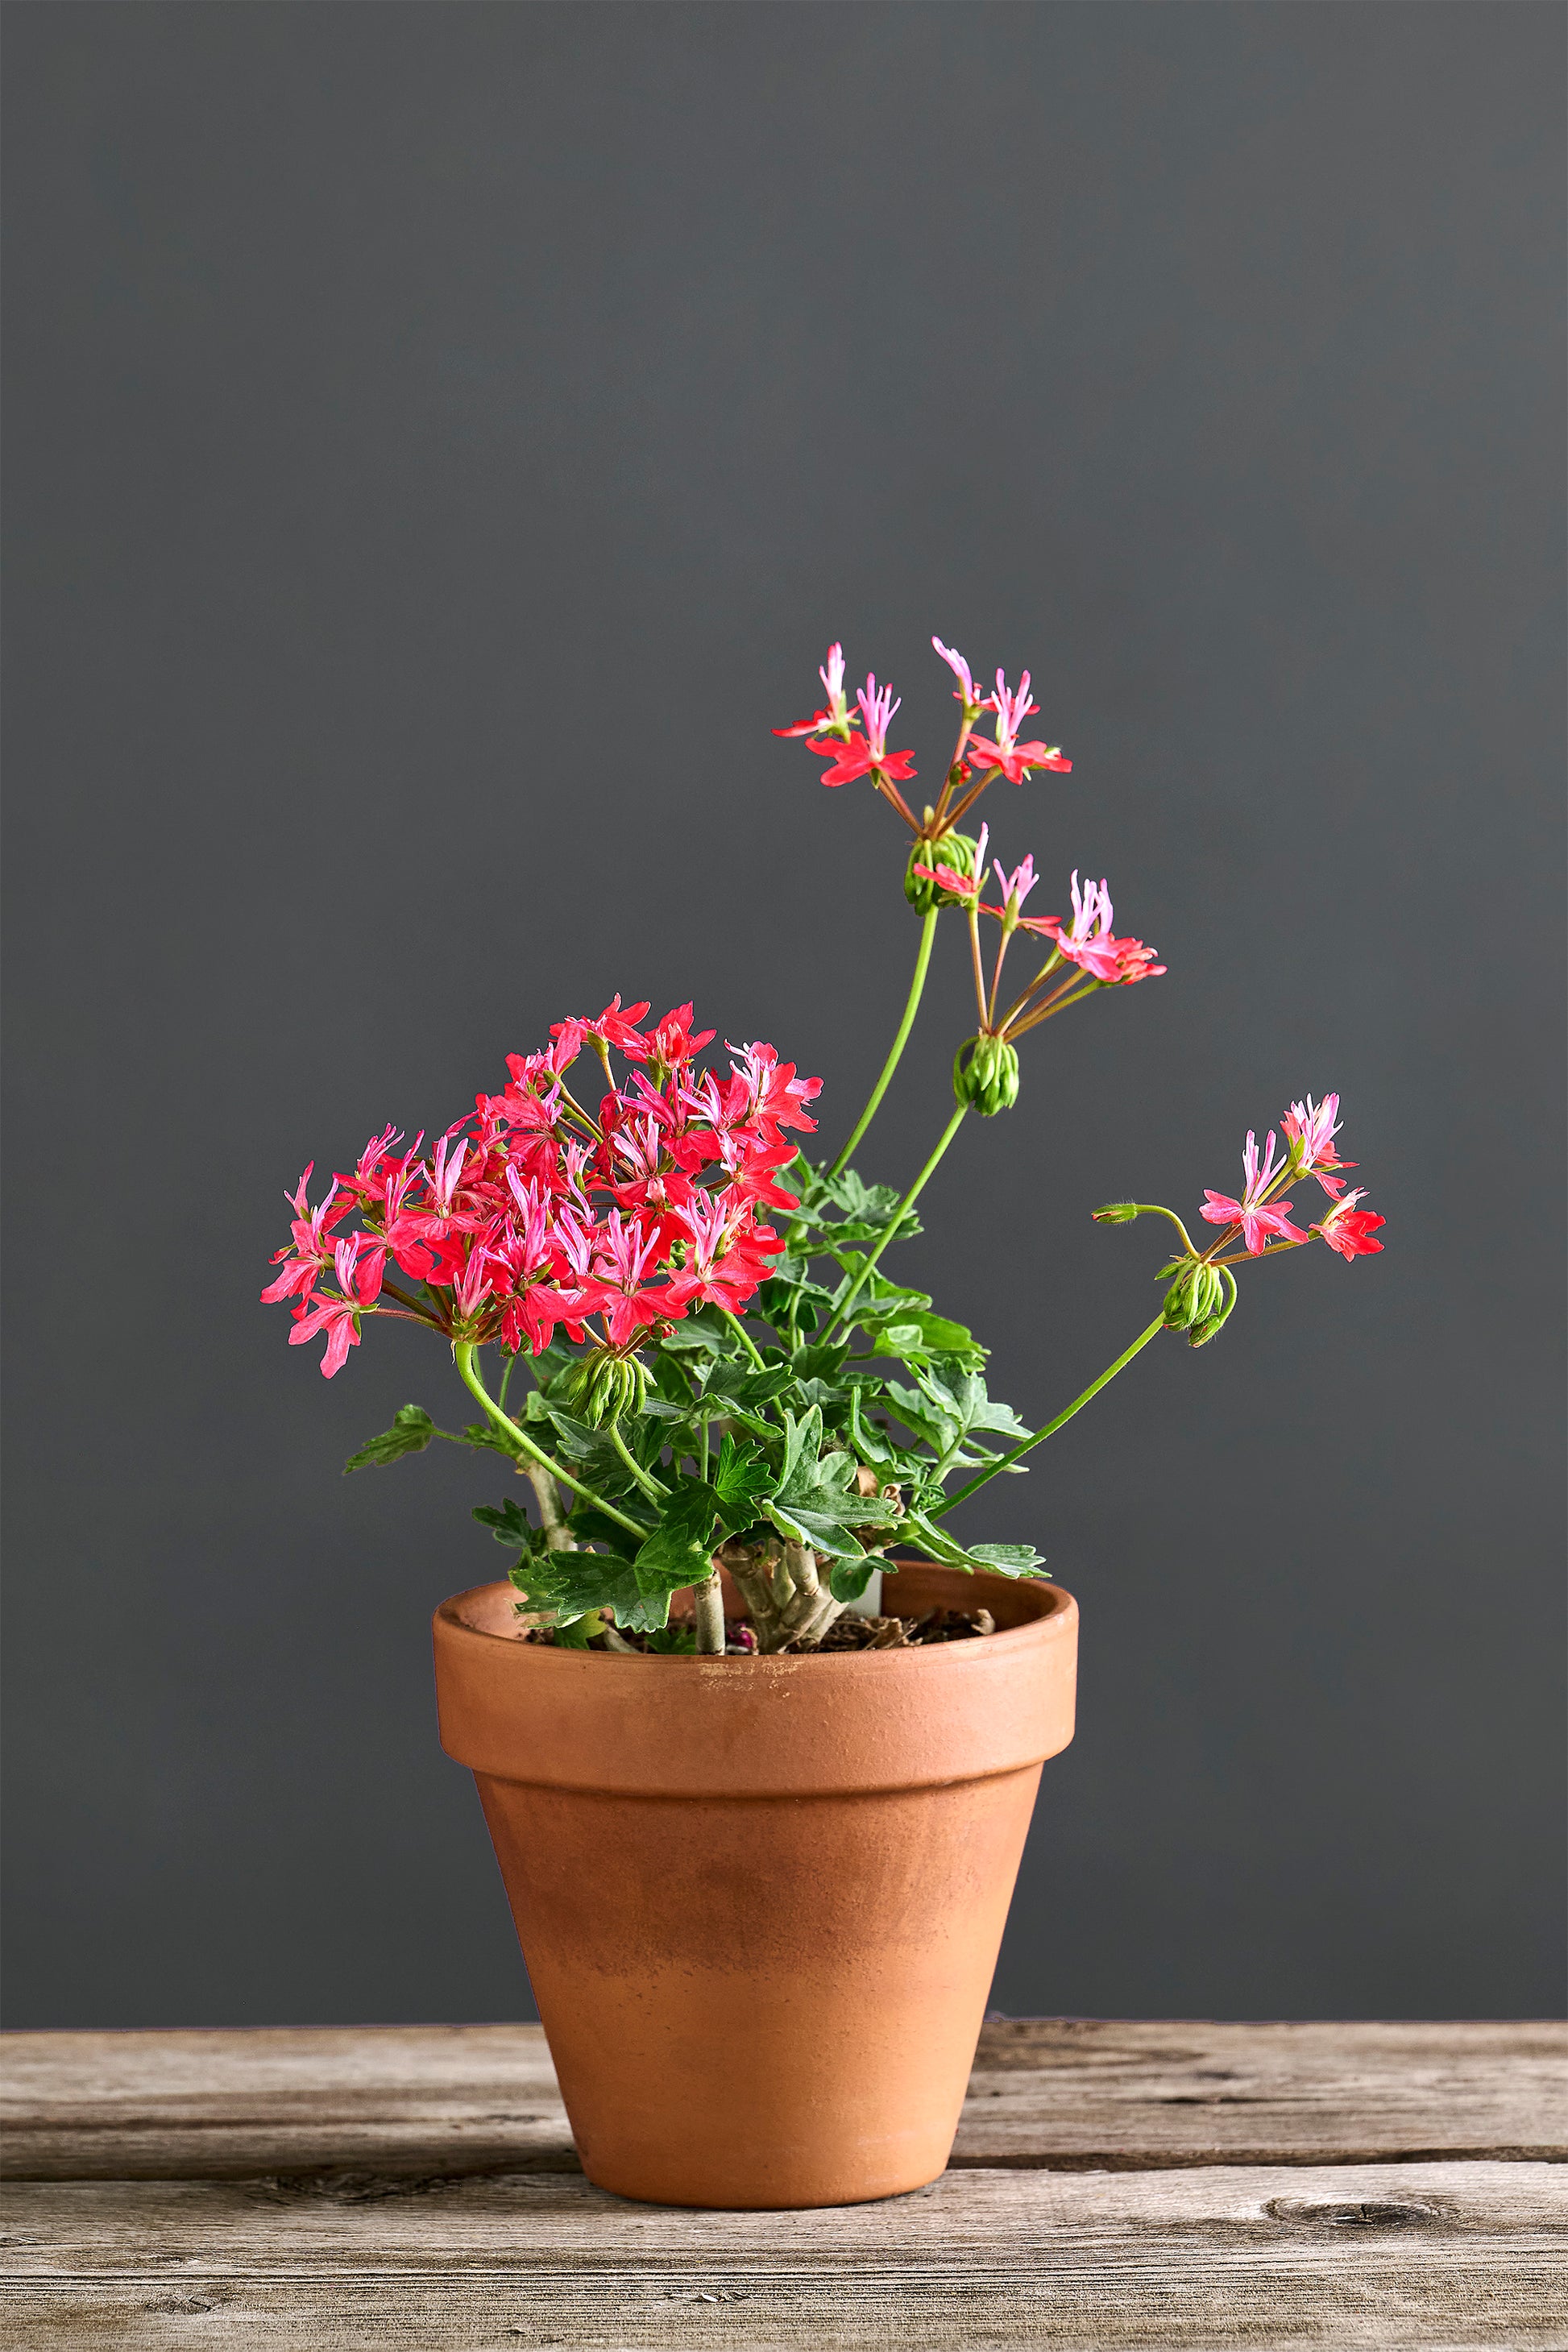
x=1442 y=2255
x=1176 y=2185
x=1047 y=2093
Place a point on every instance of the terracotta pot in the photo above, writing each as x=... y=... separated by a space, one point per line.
x=761 y=1899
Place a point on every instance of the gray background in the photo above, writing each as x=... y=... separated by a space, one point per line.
x=442 y=441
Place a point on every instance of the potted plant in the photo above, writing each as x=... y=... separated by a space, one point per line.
x=757 y=1738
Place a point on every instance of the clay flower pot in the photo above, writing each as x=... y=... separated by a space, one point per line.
x=761 y=1899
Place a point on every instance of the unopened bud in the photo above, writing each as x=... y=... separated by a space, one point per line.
x=1195 y=1296
x=1202 y=1333
x=607 y=1386
x=1117 y=1213
x=985 y=1075
x=956 y=852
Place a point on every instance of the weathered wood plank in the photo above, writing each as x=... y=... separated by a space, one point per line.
x=431 y=2100
x=1442 y=2255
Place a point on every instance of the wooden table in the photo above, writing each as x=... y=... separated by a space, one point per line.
x=1157 y=2185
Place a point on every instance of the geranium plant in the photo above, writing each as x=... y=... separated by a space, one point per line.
x=677 y=1325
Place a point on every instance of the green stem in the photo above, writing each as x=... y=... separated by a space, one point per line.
x=650 y=1486
x=917 y=985
x=743 y=1336
x=840 y=1313
x=463 y=1356
x=1051 y=1426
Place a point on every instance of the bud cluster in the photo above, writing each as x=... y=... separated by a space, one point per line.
x=1199 y=1299
x=985 y=1075
x=605 y=1385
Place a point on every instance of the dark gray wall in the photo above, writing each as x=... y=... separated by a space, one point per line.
x=442 y=441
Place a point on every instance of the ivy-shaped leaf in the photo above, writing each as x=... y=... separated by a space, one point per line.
x=411 y=1431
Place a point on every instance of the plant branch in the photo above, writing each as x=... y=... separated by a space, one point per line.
x=923 y=961
x=463 y=1356
x=841 y=1312
x=743 y=1336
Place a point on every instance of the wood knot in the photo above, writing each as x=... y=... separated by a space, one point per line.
x=1352 y=2213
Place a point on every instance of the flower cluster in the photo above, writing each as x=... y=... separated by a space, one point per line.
x=533 y=1211
x=854 y=743
x=1262 y=1214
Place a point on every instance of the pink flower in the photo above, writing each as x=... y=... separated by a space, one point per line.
x=337 y=1318
x=1311 y=1129
x=1014 y=887
x=1092 y=944
x=964 y=691
x=1348 y=1229
x=1260 y=1220
x=310 y=1252
x=837 y=715
x=1013 y=759
x=863 y=755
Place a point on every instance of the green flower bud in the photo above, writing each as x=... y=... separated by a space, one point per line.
x=985 y=1075
x=1195 y=1296
x=606 y=1386
x=957 y=853
x=1117 y=1213
x=1202 y=1333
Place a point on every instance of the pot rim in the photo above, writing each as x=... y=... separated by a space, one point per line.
x=919 y=1657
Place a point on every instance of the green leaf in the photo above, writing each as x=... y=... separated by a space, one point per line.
x=673 y=1642
x=594 y=1526
x=1007 y=1559
x=485 y=1432
x=797 y=1524
x=918 y=1334
x=680 y=1550
x=411 y=1431
x=849 y=1577
x=568 y=1584
x=509 y=1523
x=740 y=1478
x=1002 y=1559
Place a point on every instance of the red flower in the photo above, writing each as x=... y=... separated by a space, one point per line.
x=1348 y=1229
x=669 y=1042
x=529 y=1216
x=867 y=755
x=1013 y=759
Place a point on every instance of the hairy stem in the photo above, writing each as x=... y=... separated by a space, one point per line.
x=709 y=1599
x=841 y=1312
x=468 y=1372
x=1051 y=1426
x=917 y=986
